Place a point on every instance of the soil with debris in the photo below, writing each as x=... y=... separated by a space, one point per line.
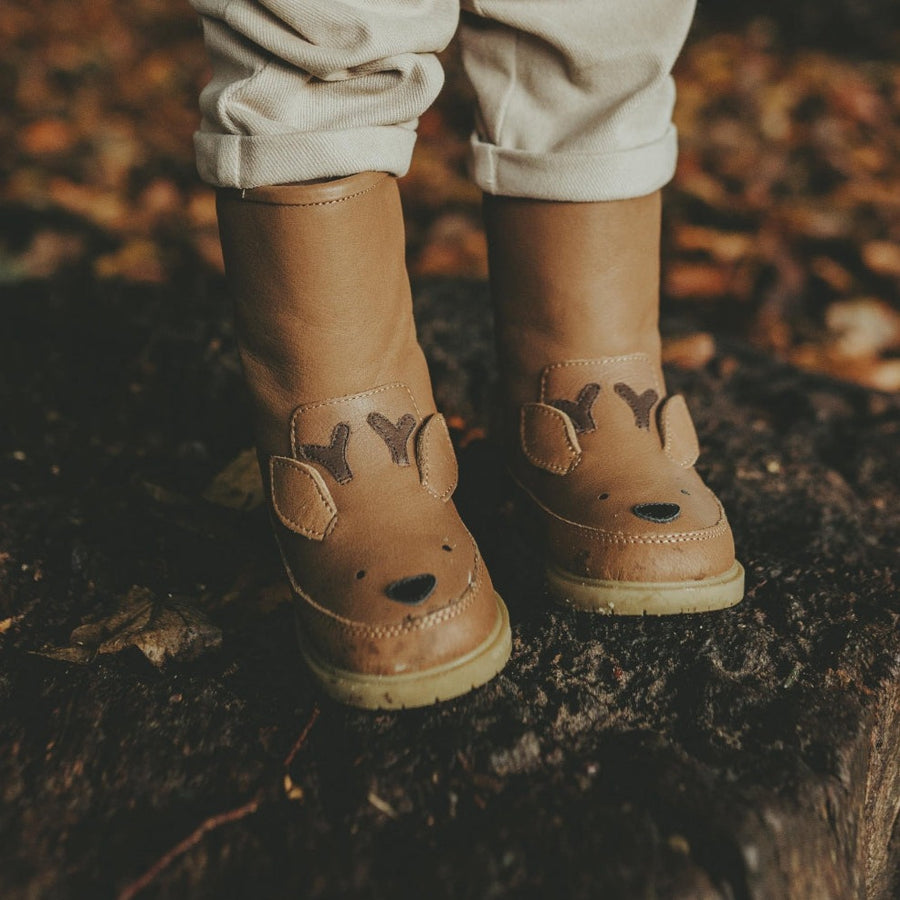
x=170 y=745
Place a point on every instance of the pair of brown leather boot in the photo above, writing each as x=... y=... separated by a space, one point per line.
x=394 y=605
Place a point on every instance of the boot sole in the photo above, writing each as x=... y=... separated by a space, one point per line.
x=646 y=598
x=413 y=689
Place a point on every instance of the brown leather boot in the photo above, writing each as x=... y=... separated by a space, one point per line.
x=394 y=605
x=604 y=454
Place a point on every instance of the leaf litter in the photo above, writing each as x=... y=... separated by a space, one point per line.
x=163 y=629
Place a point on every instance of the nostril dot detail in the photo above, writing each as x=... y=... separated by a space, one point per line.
x=447 y=547
x=361 y=574
x=412 y=590
x=687 y=493
x=657 y=512
x=604 y=496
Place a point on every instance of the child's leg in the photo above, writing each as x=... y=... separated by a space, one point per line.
x=574 y=141
x=394 y=605
x=312 y=89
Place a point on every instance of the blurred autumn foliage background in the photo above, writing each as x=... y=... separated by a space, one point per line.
x=783 y=221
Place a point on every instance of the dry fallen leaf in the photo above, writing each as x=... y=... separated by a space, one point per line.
x=693 y=351
x=292 y=790
x=725 y=246
x=882 y=257
x=137 y=260
x=832 y=273
x=863 y=327
x=454 y=245
x=698 y=281
x=47 y=136
x=382 y=805
x=238 y=485
x=162 y=629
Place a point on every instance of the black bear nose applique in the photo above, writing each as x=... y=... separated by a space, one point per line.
x=657 y=512
x=412 y=590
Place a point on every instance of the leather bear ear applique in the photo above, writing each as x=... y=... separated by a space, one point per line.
x=437 y=460
x=300 y=498
x=549 y=439
x=676 y=430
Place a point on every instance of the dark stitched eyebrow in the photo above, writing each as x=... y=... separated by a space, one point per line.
x=640 y=404
x=580 y=410
x=395 y=436
x=333 y=456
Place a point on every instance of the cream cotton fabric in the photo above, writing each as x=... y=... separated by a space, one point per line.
x=574 y=97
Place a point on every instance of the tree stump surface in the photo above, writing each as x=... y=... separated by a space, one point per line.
x=750 y=753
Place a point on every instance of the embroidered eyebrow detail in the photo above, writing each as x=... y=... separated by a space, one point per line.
x=580 y=410
x=332 y=456
x=640 y=404
x=395 y=436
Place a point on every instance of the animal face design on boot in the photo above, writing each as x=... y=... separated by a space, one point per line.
x=617 y=422
x=387 y=465
x=607 y=458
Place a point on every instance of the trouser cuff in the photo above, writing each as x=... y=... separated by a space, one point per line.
x=579 y=177
x=242 y=161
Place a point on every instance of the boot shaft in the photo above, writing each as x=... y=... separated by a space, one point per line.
x=321 y=295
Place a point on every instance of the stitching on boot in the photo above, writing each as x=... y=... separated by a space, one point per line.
x=395 y=436
x=603 y=361
x=675 y=408
x=640 y=404
x=622 y=537
x=581 y=410
x=424 y=460
x=276 y=462
x=453 y=609
x=333 y=456
x=316 y=203
x=337 y=401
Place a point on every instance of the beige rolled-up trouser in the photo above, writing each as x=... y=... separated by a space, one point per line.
x=574 y=97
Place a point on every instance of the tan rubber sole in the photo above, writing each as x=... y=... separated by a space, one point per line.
x=412 y=689
x=638 y=598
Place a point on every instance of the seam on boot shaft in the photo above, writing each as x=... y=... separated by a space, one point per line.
x=326 y=193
